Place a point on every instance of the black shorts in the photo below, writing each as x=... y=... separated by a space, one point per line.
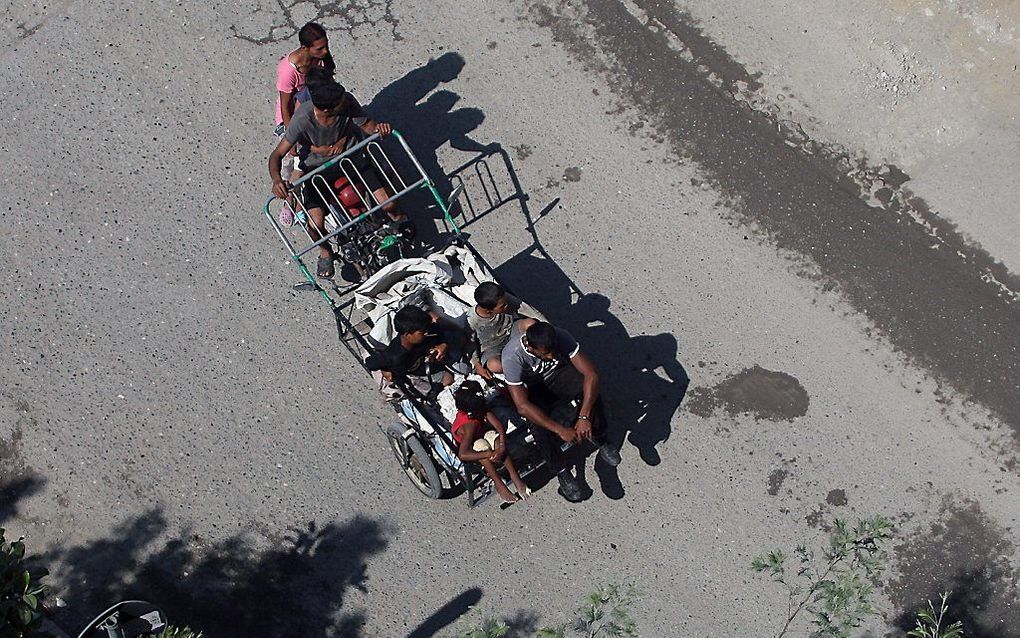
x=365 y=167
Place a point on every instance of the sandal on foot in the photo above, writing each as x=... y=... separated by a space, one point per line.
x=324 y=268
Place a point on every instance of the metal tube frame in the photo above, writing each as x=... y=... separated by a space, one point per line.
x=349 y=336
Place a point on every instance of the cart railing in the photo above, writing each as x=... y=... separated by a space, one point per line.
x=337 y=221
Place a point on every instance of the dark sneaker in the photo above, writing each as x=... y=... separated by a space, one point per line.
x=609 y=454
x=570 y=489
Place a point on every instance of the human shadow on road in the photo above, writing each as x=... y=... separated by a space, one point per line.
x=428 y=119
x=643 y=381
x=230 y=587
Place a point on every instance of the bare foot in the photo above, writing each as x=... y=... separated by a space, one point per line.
x=522 y=489
x=505 y=494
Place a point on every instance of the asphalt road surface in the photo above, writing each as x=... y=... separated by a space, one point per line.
x=778 y=348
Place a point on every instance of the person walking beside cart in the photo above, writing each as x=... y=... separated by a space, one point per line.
x=545 y=368
x=490 y=323
x=330 y=124
x=291 y=74
x=293 y=67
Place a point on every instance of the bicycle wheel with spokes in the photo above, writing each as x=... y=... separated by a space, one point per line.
x=415 y=460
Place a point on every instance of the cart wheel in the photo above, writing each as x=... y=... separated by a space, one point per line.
x=415 y=460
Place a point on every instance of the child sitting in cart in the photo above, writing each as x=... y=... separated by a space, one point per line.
x=481 y=437
x=420 y=349
x=490 y=323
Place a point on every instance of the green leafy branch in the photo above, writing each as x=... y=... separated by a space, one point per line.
x=604 y=614
x=21 y=593
x=835 y=589
x=929 y=622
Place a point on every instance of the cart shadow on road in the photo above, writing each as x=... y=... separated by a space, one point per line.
x=229 y=587
x=641 y=401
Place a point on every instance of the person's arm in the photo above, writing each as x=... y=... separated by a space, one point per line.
x=437 y=351
x=536 y=415
x=371 y=127
x=280 y=187
x=287 y=79
x=476 y=358
x=587 y=369
x=465 y=451
x=475 y=346
x=287 y=106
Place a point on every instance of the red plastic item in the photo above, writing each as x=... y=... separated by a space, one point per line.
x=349 y=197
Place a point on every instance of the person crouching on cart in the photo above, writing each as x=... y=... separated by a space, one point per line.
x=481 y=438
x=545 y=369
x=490 y=323
x=419 y=351
x=329 y=125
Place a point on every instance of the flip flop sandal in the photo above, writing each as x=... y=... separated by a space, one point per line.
x=324 y=268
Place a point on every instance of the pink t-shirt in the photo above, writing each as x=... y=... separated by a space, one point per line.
x=288 y=80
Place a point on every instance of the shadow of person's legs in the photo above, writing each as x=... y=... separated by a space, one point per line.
x=644 y=381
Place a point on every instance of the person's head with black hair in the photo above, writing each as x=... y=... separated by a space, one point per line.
x=411 y=323
x=318 y=76
x=312 y=38
x=329 y=97
x=491 y=296
x=469 y=399
x=540 y=340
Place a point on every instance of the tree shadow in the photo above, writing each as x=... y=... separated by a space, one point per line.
x=965 y=552
x=522 y=624
x=18 y=481
x=976 y=600
x=229 y=587
x=14 y=490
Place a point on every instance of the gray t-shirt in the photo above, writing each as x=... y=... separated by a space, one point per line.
x=305 y=129
x=519 y=365
x=492 y=333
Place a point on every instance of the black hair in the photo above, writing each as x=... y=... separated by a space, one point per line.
x=411 y=319
x=469 y=398
x=328 y=95
x=488 y=294
x=317 y=76
x=309 y=34
x=541 y=335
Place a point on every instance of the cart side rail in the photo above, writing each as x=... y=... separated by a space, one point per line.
x=400 y=178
